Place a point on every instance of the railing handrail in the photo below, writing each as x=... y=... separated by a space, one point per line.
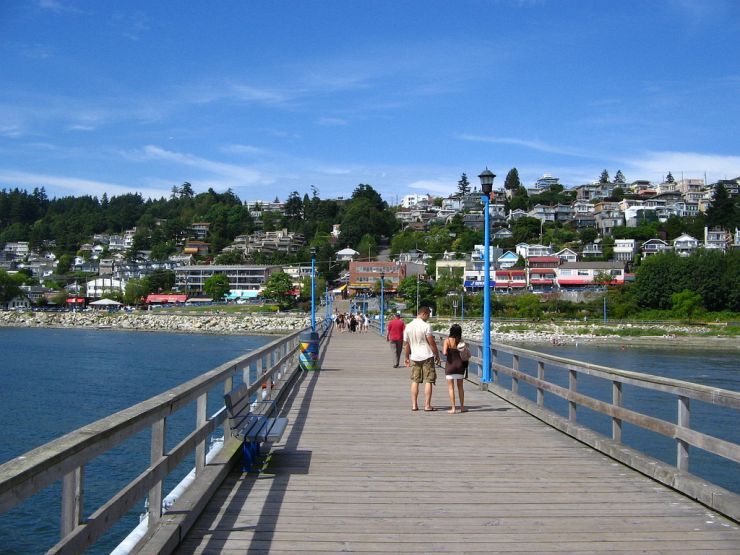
x=66 y=457
x=714 y=496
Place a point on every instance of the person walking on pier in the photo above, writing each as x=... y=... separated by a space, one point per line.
x=455 y=366
x=394 y=335
x=421 y=355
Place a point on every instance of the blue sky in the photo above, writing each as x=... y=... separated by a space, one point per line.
x=267 y=97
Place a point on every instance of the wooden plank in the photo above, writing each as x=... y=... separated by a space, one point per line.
x=357 y=470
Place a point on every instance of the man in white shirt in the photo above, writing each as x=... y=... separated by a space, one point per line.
x=421 y=355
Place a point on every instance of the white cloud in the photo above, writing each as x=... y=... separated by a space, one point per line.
x=440 y=186
x=234 y=175
x=530 y=144
x=692 y=164
x=74 y=185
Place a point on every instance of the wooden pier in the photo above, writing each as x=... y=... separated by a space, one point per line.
x=358 y=471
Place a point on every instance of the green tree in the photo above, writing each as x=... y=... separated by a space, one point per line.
x=278 y=288
x=528 y=306
x=161 y=280
x=512 y=182
x=135 y=291
x=8 y=287
x=686 y=303
x=724 y=211
x=669 y=178
x=64 y=264
x=367 y=246
x=619 y=178
x=217 y=287
x=604 y=177
x=463 y=185
x=407 y=290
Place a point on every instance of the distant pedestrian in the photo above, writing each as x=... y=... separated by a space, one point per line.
x=394 y=334
x=421 y=355
x=455 y=366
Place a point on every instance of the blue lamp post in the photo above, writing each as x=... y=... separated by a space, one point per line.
x=313 y=289
x=382 y=303
x=486 y=186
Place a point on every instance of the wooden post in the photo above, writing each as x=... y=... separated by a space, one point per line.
x=72 y=495
x=540 y=391
x=684 y=414
x=617 y=402
x=200 y=420
x=159 y=431
x=514 y=379
x=572 y=386
x=494 y=362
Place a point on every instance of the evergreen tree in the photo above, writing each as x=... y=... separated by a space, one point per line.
x=723 y=212
x=187 y=190
x=619 y=178
x=669 y=178
x=604 y=178
x=512 y=182
x=463 y=185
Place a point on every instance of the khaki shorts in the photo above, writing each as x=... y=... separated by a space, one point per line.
x=425 y=369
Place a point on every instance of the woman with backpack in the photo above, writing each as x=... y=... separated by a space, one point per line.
x=456 y=366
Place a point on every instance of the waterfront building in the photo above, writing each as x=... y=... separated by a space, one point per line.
x=98 y=287
x=249 y=277
x=363 y=275
x=588 y=273
x=541 y=272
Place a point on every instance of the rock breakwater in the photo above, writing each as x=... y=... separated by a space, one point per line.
x=257 y=324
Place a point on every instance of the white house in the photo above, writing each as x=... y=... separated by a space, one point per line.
x=507 y=260
x=624 y=249
x=653 y=246
x=567 y=255
x=346 y=255
x=685 y=245
x=99 y=286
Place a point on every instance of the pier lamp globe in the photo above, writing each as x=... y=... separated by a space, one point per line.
x=486 y=186
x=382 y=303
x=313 y=288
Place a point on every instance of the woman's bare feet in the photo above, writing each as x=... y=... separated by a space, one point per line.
x=452 y=411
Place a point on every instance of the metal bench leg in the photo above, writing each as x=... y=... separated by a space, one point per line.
x=248 y=456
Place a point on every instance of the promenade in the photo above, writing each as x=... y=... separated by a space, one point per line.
x=358 y=471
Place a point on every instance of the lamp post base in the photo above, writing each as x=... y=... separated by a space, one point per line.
x=483 y=386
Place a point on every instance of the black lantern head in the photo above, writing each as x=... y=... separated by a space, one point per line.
x=486 y=181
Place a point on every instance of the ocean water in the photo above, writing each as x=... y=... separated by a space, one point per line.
x=53 y=381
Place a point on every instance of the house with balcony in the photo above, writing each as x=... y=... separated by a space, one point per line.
x=593 y=250
x=567 y=255
x=624 y=250
x=275 y=241
x=685 y=245
x=453 y=202
x=507 y=260
x=608 y=216
x=541 y=272
x=510 y=280
x=564 y=213
x=525 y=250
x=100 y=286
x=196 y=248
x=501 y=234
x=19 y=249
x=590 y=273
x=716 y=238
x=199 y=230
x=514 y=215
x=345 y=255
x=653 y=246
x=542 y=213
x=451 y=267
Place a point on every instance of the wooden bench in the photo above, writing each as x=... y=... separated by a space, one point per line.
x=253 y=428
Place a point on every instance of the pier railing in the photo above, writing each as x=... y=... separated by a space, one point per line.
x=66 y=458
x=544 y=371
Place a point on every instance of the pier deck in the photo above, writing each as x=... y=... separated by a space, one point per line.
x=358 y=471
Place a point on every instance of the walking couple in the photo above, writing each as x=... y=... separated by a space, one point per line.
x=422 y=355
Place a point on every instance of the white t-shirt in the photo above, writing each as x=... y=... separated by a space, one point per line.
x=415 y=334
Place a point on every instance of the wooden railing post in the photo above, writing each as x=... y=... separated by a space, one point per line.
x=72 y=497
x=159 y=432
x=572 y=387
x=684 y=414
x=494 y=362
x=540 y=391
x=514 y=379
x=200 y=420
x=617 y=402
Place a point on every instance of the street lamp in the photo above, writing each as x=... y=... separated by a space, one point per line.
x=382 y=303
x=486 y=186
x=313 y=288
x=454 y=308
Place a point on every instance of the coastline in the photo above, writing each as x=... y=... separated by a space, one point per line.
x=535 y=333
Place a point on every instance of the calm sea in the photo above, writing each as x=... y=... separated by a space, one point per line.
x=54 y=381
